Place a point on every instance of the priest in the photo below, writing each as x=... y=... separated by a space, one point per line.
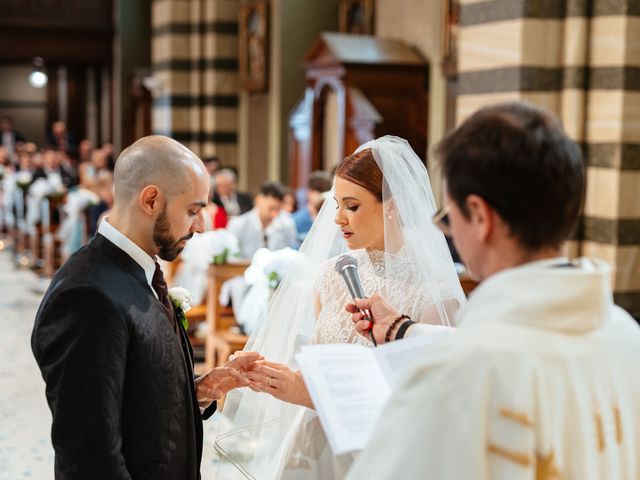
x=541 y=380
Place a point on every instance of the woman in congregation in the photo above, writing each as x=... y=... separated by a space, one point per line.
x=381 y=216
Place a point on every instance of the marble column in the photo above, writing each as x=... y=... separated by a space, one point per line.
x=581 y=60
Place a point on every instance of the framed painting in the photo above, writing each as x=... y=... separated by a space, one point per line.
x=357 y=17
x=253 y=33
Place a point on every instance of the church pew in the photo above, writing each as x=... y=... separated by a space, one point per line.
x=20 y=238
x=197 y=314
x=221 y=340
x=52 y=258
x=467 y=283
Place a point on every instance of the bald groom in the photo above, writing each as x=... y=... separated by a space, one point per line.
x=117 y=364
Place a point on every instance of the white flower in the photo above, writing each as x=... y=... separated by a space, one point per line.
x=23 y=178
x=180 y=298
x=221 y=241
x=269 y=266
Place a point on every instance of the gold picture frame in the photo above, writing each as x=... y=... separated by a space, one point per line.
x=253 y=25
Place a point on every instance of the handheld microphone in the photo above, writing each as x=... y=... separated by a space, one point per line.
x=347 y=267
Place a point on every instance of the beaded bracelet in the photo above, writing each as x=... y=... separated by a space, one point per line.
x=387 y=337
x=403 y=328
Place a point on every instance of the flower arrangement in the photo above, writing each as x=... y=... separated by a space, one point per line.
x=23 y=179
x=263 y=276
x=268 y=267
x=223 y=245
x=181 y=300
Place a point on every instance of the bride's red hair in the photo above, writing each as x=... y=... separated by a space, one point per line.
x=362 y=169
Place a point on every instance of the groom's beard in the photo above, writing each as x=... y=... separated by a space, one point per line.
x=168 y=247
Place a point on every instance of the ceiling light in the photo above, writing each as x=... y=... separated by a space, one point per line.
x=38 y=78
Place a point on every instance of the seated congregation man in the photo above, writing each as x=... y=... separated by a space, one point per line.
x=226 y=195
x=266 y=225
x=541 y=380
x=319 y=182
x=116 y=360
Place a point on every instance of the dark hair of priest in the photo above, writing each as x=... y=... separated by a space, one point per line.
x=517 y=157
x=361 y=168
x=272 y=189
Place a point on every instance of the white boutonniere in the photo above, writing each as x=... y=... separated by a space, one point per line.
x=181 y=301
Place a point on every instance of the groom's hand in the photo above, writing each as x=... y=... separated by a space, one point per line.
x=221 y=380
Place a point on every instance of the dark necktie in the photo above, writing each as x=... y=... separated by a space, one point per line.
x=160 y=286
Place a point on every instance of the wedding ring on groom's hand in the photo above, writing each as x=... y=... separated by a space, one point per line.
x=270 y=379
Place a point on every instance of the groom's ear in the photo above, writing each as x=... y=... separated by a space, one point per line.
x=149 y=200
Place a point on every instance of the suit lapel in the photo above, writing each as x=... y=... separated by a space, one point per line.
x=119 y=257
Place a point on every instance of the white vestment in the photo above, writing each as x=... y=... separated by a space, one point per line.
x=541 y=381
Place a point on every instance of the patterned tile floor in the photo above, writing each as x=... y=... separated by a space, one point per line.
x=25 y=420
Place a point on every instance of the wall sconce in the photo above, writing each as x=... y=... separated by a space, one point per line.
x=38 y=78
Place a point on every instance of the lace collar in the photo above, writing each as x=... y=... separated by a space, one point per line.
x=381 y=260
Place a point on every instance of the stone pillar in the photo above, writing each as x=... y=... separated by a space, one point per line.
x=195 y=74
x=581 y=60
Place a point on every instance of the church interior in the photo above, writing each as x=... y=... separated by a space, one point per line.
x=272 y=95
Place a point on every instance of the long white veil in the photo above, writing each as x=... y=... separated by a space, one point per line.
x=262 y=436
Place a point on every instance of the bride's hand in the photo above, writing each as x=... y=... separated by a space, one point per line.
x=279 y=381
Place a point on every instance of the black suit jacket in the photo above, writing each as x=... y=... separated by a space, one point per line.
x=245 y=201
x=119 y=382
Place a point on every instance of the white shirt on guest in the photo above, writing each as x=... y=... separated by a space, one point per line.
x=121 y=241
x=247 y=228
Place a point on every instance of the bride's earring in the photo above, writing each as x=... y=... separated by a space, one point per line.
x=389 y=217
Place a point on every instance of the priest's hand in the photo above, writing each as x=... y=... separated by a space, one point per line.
x=221 y=380
x=383 y=316
x=279 y=381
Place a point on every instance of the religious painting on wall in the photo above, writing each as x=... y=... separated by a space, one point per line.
x=254 y=45
x=450 y=40
x=356 y=17
x=450 y=31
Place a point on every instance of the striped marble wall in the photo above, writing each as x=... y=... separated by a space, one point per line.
x=195 y=63
x=580 y=59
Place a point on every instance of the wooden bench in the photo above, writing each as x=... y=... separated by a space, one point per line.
x=222 y=338
x=40 y=236
x=19 y=232
x=468 y=284
x=51 y=255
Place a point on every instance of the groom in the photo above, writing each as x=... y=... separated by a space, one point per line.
x=118 y=366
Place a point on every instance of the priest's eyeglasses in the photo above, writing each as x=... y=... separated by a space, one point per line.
x=441 y=220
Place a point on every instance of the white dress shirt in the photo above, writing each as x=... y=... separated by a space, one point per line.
x=247 y=228
x=121 y=241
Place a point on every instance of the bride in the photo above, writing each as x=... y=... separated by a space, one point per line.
x=381 y=216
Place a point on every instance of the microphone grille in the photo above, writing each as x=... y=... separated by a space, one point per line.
x=346 y=261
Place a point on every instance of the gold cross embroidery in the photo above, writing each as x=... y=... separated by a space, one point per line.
x=546 y=468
